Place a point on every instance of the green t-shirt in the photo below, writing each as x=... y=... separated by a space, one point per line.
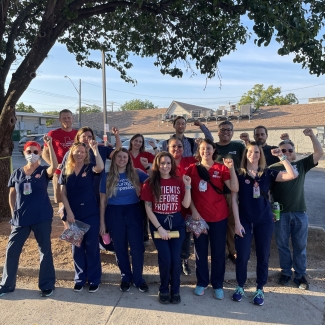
x=291 y=194
x=233 y=150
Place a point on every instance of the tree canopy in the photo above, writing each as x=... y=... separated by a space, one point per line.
x=89 y=109
x=21 y=107
x=266 y=97
x=136 y=104
x=177 y=33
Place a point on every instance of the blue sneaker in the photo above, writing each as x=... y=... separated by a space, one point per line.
x=238 y=294
x=218 y=294
x=199 y=291
x=258 y=297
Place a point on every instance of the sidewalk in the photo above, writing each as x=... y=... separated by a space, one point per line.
x=283 y=305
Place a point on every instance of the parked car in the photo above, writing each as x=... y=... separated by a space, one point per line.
x=159 y=144
x=147 y=146
x=31 y=137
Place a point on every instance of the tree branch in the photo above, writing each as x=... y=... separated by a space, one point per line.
x=3 y=16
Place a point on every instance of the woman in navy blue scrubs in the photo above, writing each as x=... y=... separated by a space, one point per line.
x=121 y=215
x=31 y=210
x=253 y=215
x=79 y=200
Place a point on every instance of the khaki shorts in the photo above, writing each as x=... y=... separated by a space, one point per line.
x=56 y=188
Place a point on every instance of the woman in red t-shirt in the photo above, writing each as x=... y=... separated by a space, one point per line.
x=164 y=193
x=211 y=206
x=176 y=148
x=141 y=158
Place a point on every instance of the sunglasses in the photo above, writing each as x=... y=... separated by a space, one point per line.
x=35 y=152
x=175 y=147
x=285 y=150
x=225 y=130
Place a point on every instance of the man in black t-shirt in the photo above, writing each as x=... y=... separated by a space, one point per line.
x=234 y=150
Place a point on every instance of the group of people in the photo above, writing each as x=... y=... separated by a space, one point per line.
x=226 y=184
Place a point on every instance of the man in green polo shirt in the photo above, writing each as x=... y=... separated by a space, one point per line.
x=234 y=150
x=293 y=218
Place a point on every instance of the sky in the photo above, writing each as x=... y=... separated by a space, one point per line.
x=240 y=71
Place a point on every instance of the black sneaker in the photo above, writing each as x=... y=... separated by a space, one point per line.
x=302 y=283
x=125 y=286
x=175 y=298
x=186 y=268
x=143 y=287
x=284 y=279
x=47 y=292
x=164 y=298
x=93 y=288
x=78 y=287
x=232 y=258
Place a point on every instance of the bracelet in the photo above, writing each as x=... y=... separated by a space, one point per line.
x=158 y=227
x=154 y=148
x=284 y=157
x=148 y=167
x=188 y=187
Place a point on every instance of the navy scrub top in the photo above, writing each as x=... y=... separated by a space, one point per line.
x=255 y=210
x=81 y=192
x=33 y=208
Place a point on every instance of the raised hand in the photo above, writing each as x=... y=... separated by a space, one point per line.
x=245 y=137
x=93 y=144
x=197 y=123
x=47 y=139
x=284 y=136
x=276 y=152
x=228 y=162
x=152 y=143
x=308 y=132
x=187 y=180
x=144 y=162
x=115 y=130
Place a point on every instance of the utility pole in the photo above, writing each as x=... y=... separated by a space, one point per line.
x=106 y=126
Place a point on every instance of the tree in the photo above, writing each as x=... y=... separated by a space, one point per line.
x=175 y=32
x=21 y=107
x=136 y=104
x=50 y=121
x=266 y=97
x=89 y=109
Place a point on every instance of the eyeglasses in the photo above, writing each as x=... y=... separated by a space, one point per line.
x=175 y=147
x=35 y=152
x=225 y=130
x=285 y=150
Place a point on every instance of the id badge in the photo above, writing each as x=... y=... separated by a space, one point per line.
x=203 y=186
x=27 y=188
x=256 y=190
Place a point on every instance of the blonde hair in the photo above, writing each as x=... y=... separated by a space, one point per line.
x=261 y=162
x=113 y=176
x=70 y=164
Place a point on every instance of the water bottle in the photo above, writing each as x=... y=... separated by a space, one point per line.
x=276 y=210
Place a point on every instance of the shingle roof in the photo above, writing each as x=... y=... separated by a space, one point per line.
x=146 y=121
x=190 y=107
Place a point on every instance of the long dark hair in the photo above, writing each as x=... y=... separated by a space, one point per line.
x=208 y=141
x=154 y=179
x=137 y=136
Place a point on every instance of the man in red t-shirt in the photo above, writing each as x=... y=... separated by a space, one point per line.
x=62 y=140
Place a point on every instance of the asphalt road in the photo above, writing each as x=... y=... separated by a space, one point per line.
x=314 y=189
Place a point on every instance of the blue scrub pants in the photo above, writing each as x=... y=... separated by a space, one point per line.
x=17 y=239
x=125 y=225
x=262 y=235
x=169 y=252
x=217 y=236
x=86 y=258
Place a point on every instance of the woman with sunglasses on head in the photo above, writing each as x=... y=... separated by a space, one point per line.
x=253 y=215
x=31 y=210
x=121 y=214
x=164 y=194
x=79 y=200
x=175 y=147
x=293 y=218
x=209 y=203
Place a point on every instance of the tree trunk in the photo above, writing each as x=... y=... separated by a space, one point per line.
x=7 y=125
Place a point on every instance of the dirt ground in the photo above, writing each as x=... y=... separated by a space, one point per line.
x=63 y=257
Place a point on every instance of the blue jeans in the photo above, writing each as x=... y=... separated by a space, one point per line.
x=294 y=224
